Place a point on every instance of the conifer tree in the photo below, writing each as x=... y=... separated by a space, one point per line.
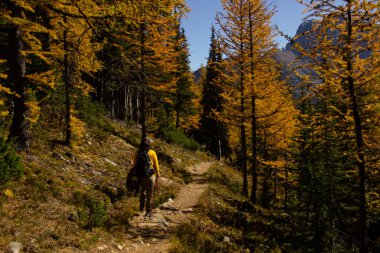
x=233 y=23
x=261 y=49
x=184 y=94
x=347 y=64
x=213 y=131
x=247 y=40
x=75 y=49
x=24 y=36
x=156 y=24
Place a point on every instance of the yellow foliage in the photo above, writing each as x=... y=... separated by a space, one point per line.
x=78 y=127
x=3 y=91
x=46 y=79
x=34 y=109
x=9 y=193
x=254 y=74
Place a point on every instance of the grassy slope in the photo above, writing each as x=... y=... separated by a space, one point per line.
x=227 y=222
x=80 y=202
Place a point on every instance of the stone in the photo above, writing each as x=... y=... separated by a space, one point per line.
x=226 y=239
x=165 y=224
x=101 y=248
x=110 y=162
x=119 y=247
x=84 y=181
x=97 y=173
x=188 y=210
x=65 y=169
x=168 y=206
x=14 y=247
x=177 y=161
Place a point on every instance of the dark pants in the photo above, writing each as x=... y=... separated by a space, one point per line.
x=146 y=192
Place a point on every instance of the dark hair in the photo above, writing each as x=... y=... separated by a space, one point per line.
x=144 y=145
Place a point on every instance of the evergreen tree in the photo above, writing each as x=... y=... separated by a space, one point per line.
x=347 y=65
x=183 y=100
x=233 y=23
x=213 y=131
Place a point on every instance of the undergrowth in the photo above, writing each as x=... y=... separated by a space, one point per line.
x=75 y=197
x=226 y=221
x=10 y=163
x=174 y=135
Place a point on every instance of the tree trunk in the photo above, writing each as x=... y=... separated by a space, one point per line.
x=265 y=195
x=143 y=78
x=20 y=128
x=243 y=137
x=66 y=78
x=177 y=121
x=135 y=105
x=219 y=141
x=143 y=114
x=253 y=112
x=363 y=247
x=286 y=188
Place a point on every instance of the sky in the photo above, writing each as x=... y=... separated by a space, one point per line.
x=198 y=24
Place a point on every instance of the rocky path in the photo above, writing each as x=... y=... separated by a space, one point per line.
x=153 y=234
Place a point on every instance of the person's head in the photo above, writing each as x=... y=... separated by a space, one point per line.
x=144 y=145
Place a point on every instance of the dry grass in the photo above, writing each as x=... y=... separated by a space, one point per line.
x=56 y=197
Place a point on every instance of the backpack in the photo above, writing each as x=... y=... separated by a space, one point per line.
x=143 y=165
x=132 y=182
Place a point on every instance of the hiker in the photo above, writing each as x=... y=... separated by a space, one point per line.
x=148 y=172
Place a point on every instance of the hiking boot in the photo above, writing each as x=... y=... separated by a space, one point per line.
x=139 y=214
x=148 y=214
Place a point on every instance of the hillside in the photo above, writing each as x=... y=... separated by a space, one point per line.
x=74 y=200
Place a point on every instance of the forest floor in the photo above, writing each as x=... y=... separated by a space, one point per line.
x=153 y=234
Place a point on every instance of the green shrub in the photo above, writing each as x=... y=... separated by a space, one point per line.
x=92 y=210
x=10 y=164
x=92 y=114
x=174 y=135
x=133 y=139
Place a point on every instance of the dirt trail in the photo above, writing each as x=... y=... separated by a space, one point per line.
x=153 y=234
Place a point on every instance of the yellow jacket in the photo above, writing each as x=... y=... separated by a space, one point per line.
x=153 y=159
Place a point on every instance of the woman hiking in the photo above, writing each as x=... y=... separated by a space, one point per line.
x=148 y=172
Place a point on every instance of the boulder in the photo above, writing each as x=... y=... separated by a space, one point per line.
x=168 y=205
x=226 y=239
x=14 y=247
